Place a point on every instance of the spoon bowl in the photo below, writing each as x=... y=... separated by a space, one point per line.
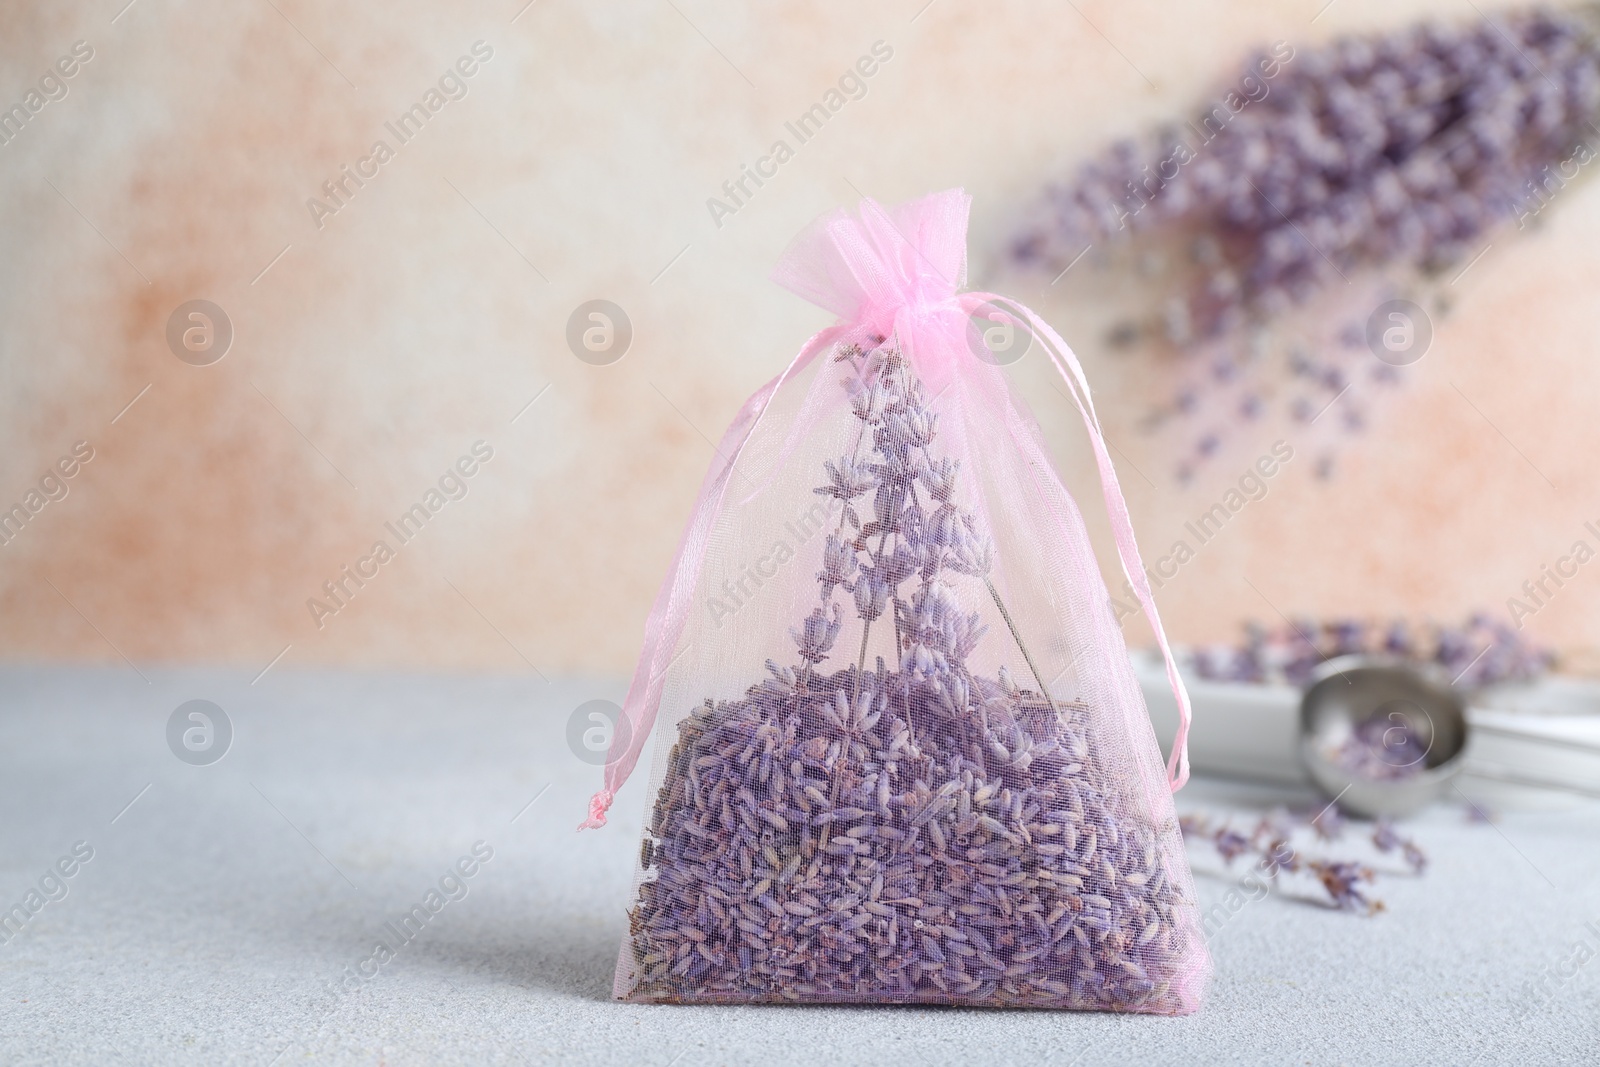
x=1381 y=736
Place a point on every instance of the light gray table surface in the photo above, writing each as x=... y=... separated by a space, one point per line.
x=218 y=908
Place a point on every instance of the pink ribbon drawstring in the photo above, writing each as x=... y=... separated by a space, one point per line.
x=664 y=626
x=599 y=804
x=1071 y=371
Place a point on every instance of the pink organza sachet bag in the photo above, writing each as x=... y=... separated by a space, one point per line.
x=906 y=760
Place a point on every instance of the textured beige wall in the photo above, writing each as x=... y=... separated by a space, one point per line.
x=431 y=308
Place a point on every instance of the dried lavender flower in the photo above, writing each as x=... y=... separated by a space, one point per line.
x=1270 y=843
x=872 y=595
x=838 y=565
x=1386 y=839
x=1343 y=881
x=817 y=635
x=847 y=480
x=1230 y=844
x=1329 y=823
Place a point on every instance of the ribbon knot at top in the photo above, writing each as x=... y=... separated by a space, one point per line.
x=879 y=268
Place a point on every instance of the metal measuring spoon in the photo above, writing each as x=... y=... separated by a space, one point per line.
x=1381 y=736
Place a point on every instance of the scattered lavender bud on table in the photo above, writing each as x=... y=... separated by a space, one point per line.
x=1343 y=883
x=1385 y=839
x=1328 y=822
x=1270 y=845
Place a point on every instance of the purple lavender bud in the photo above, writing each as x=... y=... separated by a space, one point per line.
x=872 y=594
x=1342 y=882
x=1230 y=844
x=1329 y=823
x=940 y=478
x=838 y=564
x=1384 y=838
x=847 y=479
x=870 y=404
x=816 y=635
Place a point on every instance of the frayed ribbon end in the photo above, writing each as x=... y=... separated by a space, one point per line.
x=599 y=804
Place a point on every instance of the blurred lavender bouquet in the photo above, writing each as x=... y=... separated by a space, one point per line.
x=1480 y=652
x=1347 y=183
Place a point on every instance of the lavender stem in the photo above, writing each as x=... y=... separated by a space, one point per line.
x=1017 y=637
